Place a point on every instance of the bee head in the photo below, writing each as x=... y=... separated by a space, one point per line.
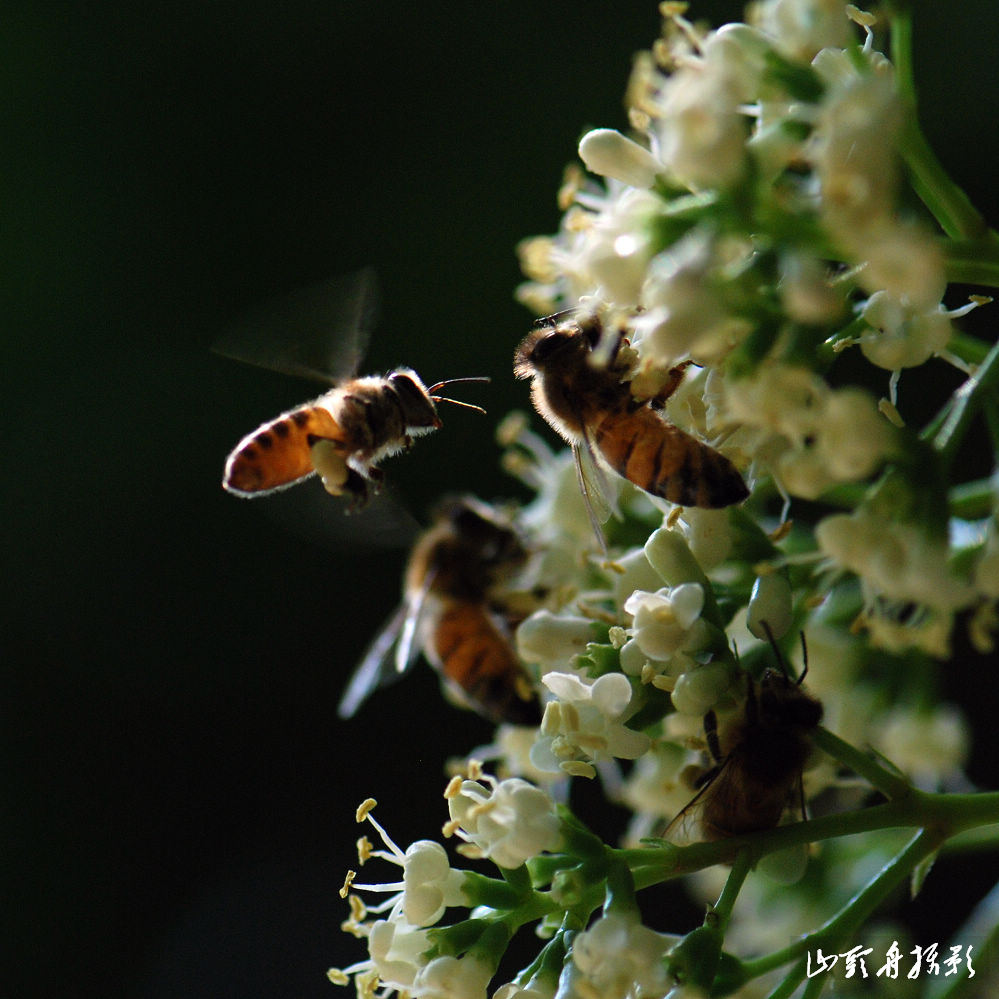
x=494 y=538
x=784 y=703
x=418 y=408
x=547 y=346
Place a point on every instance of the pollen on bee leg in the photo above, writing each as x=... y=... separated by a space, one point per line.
x=331 y=466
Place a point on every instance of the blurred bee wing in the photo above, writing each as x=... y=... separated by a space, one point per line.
x=407 y=649
x=312 y=514
x=598 y=495
x=319 y=332
x=376 y=666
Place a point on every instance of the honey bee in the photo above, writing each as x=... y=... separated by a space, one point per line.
x=344 y=433
x=591 y=405
x=456 y=612
x=759 y=758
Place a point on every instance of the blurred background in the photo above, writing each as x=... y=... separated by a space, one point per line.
x=180 y=792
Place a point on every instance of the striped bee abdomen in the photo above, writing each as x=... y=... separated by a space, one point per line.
x=478 y=660
x=665 y=461
x=279 y=453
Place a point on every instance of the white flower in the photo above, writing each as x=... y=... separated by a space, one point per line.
x=906 y=261
x=464 y=977
x=553 y=640
x=585 y=724
x=852 y=148
x=663 y=620
x=684 y=313
x=910 y=592
x=534 y=989
x=615 y=248
x=803 y=27
x=395 y=949
x=709 y=535
x=607 y=152
x=928 y=745
x=428 y=885
x=509 y=821
x=702 y=131
x=902 y=336
x=853 y=438
x=622 y=959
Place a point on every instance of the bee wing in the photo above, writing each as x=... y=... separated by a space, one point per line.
x=314 y=516
x=378 y=666
x=319 y=332
x=374 y=670
x=598 y=496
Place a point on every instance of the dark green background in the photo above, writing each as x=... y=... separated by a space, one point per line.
x=181 y=803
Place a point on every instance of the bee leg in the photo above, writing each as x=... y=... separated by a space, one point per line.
x=752 y=708
x=407 y=442
x=711 y=734
x=675 y=377
x=356 y=487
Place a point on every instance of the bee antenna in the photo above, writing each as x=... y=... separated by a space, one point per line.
x=554 y=318
x=458 y=402
x=777 y=653
x=452 y=381
x=804 y=657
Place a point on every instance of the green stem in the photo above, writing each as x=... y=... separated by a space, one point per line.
x=949 y=205
x=972 y=500
x=721 y=913
x=972 y=261
x=966 y=402
x=950 y=813
x=845 y=924
x=891 y=785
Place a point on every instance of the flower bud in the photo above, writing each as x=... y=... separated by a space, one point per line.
x=607 y=152
x=770 y=604
x=698 y=690
x=553 y=640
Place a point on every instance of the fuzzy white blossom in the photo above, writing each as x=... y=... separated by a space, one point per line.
x=585 y=724
x=465 y=977
x=553 y=640
x=930 y=746
x=509 y=821
x=899 y=566
x=802 y=28
x=684 y=314
x=620 y=958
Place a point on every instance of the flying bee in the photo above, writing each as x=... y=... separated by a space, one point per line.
x=458 y=612
x=592 y=406
x=344 y=433
x=758 y=758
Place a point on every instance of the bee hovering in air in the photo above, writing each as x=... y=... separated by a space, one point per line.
x=590 y=403
x=758 y=759
x=321 y=333
x=456 y=612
